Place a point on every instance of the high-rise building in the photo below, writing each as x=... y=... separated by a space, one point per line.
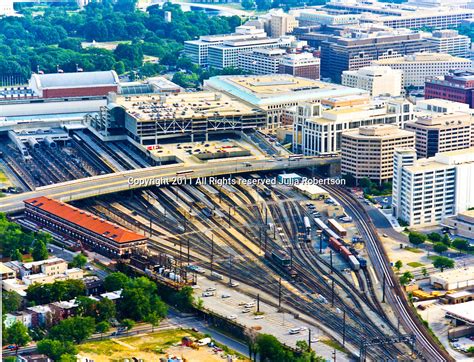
x=197 y=50
x=318 y=128
x=357 y=49
x=300 y=65
x=227 y=54
x=427 y=190
x=418 y=67
x=457 y=86
x=377 y=80
x=367 y=152
x=261 y=61
x=281 y=24
x=439 y=132
x=449 y=41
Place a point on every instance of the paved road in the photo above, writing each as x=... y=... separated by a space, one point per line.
x=134 y=179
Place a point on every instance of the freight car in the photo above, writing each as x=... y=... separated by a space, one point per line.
x=346 y=254
x=337 y=228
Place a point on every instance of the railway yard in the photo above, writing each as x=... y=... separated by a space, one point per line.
x=257 y=238
x=304 y=261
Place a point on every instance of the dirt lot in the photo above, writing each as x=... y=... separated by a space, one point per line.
x=149 y=347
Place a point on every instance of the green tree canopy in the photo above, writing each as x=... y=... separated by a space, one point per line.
x=55 y=348
x=79 y=261
x=11 y=301
x=440 y=247
x=40 y=252
x=442 y=262
x=17 y=334
x=416 y=238
x=73 y=329
x=115 y=281
x=461 y=244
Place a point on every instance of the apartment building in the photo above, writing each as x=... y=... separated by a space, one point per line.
x=197 y=50
x=449 y=41
x=360 y=47
x=377 y=80
x=430 y=189
x=227 y=54
x=458 y=86
x=318 y=128
x=418 y=67
x=442 y=133
x=300 y=65
x=261 y=61
x=367 y=152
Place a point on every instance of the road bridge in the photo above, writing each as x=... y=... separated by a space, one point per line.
x=160 y=175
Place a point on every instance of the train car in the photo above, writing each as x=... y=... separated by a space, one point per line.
x=362 y=262
x=307 y=229
x=215 y=275
x=283 y=260
x=335 y=244
x=353 y=262
x=337 y=228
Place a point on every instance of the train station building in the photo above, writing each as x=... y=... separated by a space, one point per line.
x=82 y=227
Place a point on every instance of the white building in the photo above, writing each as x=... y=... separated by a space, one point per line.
x=6 y=8
x=451 y=42
x=197 y=50
x=227 y=54
x=309 y=17
x=377 y=80
x=281 y=24
x=317 y=129
x=417 y=67
x=436 y=105
x=429 y=190
x=261 y=61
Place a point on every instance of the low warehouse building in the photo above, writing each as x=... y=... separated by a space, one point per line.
x=453 y=278
x=85 y=228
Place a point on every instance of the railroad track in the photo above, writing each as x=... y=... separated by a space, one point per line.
x=426 y=344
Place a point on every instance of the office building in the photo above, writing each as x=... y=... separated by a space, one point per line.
x=197 y=50
x=442 y=132
x=436 y=105
x=462 y=224
x=98 y=234
x=458 y=86
x=190 y=116
x=281 y=24
x=261 y=61
x=300 y=65
x=431 y=189
x=403 y=15
x=377 y=80
x=418 y=67
x=80 y=84
x=318 y=128
x=367 y=152
x=451 y=42
x=277 y=93
x=312 y=17
x=227 y=54
x=359 y=47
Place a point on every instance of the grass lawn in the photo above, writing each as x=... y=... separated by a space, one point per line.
x=415 y=264
x=334 y=344
x=432 y=257
x=413 y=250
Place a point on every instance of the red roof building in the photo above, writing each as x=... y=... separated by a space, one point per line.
x=83 y=227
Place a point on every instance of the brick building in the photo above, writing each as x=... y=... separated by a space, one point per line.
x=91 y=231
x=457 y=86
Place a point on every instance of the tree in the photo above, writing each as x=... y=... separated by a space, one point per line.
x=55 y=349
x=79 y=261
x=74 y=329
x=102 y=327
x=183 y=300
x=442 y=262
x=406 y=278
x=434 y=237
x=446 y=240
x=16 y=255
x=11 y=302
x=248 y=4
x=416 y=238
x=128 y=324
x=440 y=247
x=424 y=272
x=40 y=252
x=365 y=183
x=270 y=349
x=115 y=281
x=460 y=244
x=154 y=319
x=105 y=310
x=398 y=265
x=17 y=334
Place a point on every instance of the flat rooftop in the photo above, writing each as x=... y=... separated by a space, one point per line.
x=184 y=105
x=277 y=88
x=463 y=311
x=455 y=275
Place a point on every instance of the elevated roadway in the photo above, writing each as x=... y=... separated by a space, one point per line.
x=145 y=177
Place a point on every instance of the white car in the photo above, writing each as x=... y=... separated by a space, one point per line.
x=234 y=284
x=246 y=310
x=208 y=294
x=223 y=296
x=232 y=317
x=211 y=289
x=258 y=317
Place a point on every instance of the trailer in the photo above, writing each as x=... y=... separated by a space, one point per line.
x=353 y=262
x=337 y=228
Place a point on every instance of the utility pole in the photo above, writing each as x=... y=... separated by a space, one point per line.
x=320 y=242
x=334 y=355
x=230 y=268
x=212 y=253
x=265 y=245
x=383 y=288
x=279 y=293
x=332 y=292
x=309 y=340
x=330 y=255
x=344 y=328
x=151 y=229
x=291 y=258
x=229 y=216
x=258 y=303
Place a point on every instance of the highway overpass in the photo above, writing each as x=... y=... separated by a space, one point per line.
x=135 y=179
